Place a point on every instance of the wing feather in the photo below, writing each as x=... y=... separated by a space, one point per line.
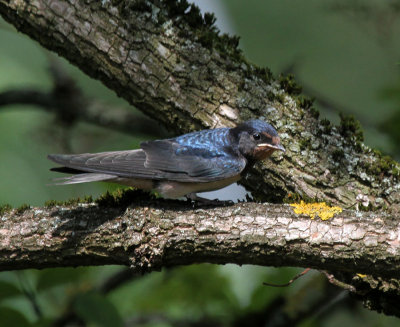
x=197 y=163
x=159 y=160
x=121 y=163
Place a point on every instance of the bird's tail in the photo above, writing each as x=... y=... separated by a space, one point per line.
x=82 y=178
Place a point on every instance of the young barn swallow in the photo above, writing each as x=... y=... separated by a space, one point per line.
x=182 y=166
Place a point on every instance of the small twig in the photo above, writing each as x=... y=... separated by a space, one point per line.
x=351 y=206
x=119 y=278
x=290 y=281
x=331 y=278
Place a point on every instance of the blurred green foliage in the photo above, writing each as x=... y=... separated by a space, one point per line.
x=338 y=55
x=344 y=53
x=97 y=310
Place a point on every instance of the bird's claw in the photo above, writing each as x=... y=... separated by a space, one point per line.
x=198 y=201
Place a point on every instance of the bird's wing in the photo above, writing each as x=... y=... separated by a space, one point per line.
x=160 y=160
x=191 y=164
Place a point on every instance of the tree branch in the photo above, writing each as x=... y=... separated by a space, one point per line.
x=70 y=105
x=170 y=63
x=153 y=234
x=90 y=110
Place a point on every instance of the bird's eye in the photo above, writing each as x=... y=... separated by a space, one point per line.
x=256 y=136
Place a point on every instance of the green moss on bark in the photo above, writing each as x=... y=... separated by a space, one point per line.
x=4 y=208
x=383 y=165
x=289 y=84
x=69 y=202
x=21 y=209
x=351 y=128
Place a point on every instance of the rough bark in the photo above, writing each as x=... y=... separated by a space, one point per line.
x=174 y=67
x=152 y=234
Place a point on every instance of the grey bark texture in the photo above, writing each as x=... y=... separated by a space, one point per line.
x=170 y=63
x=151 y=235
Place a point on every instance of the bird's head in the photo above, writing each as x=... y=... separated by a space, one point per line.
x=256 y=139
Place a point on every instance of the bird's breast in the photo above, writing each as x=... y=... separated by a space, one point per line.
x=174 y=190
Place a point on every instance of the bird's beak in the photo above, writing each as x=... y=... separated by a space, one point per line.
x=271 y=146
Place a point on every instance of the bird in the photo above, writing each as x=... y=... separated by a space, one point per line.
x=178 y=167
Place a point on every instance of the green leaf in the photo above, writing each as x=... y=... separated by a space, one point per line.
x=8 y=289
x=97 y=310
x=12 y=318
x=43 y=322
x=187 y=291
x=49 y=278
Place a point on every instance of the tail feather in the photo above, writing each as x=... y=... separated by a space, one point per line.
x=82 y=178
x=67 y=170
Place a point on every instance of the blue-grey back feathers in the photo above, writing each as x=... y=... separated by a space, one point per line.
x=204 y=156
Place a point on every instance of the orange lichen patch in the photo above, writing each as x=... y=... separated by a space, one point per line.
x=322 y=210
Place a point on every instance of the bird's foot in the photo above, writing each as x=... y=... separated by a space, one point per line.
x=198 y=201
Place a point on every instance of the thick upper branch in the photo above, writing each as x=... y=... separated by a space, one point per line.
x=169 y=63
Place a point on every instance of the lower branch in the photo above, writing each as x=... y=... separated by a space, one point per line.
x=358 y=248
x=150 y=235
